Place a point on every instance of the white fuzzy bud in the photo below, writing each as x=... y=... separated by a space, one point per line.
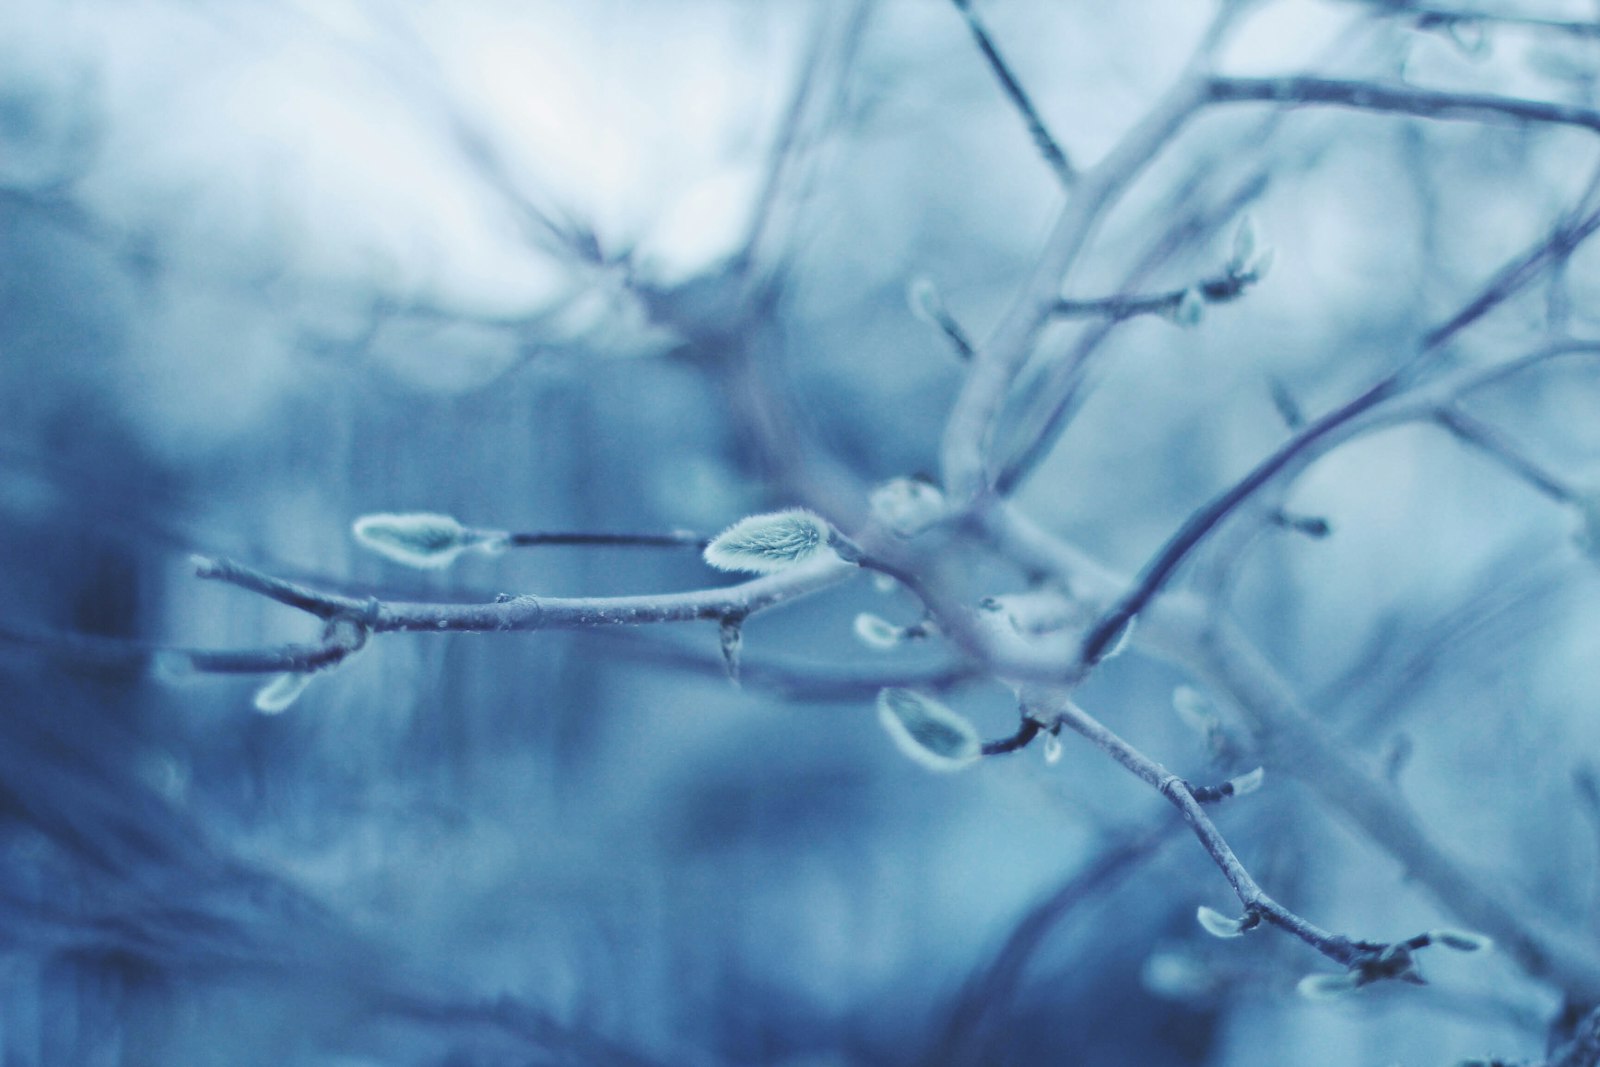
x=1248 y=783
x=1052 y=748
x=281 y=691
x=764 y=544
x=874 y=631
x=1217 y=924
x=928 y=731
x=421 y=538
x=907 y=506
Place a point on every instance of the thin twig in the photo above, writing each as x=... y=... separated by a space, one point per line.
x=1193 y=635
x=1054 y=708
x=1304 y=91
x=1196 y=528
x=1494 y=444
x=534 y=612
x=1218 y=290
x=676 y=539
x=1048 y=146
x=1064 y=381
x=1432 y=17
x=970 y=426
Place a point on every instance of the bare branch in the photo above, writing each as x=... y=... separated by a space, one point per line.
x=1215 y=290
x=522 y=613
x=1433 y=17
x=1492 y=443
x=1304 y=91
x=1197 y=637
x=1048 y=147
x=1055 y=707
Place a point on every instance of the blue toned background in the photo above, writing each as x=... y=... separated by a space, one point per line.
x=268 y=265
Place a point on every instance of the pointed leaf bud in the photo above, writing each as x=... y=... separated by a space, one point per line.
x=1461 y=940
x=875 y=631
x=764 y=544
x=421 y=539
x=927 y=730
x=1248 y=783
x=1251 y=258
x=281 y=691
x=1189 y=309
x=1219 y=925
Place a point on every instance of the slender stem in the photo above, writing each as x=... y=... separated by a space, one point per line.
x=1189 y=536
x=970 y=427
x=1492 y=443
x=1194 y=635
x=121 y=653
x=1063 y=383
x=1218 y=290
x=1051 y=706
x=1292 y=741
x=1302 y=91
x=676 y=539
x=1048 y=147
x=1429 y=17
x=1026 y=732
x=532 y=612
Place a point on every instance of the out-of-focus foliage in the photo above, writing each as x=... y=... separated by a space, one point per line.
x=269 y=266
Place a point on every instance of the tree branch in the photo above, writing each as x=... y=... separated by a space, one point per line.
x=1492 y=443
x=523 y=613
x=1305 y=91
x=1197 y=637
x=1054 y=707
x=1042 y=138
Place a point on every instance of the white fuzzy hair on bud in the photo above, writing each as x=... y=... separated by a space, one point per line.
x=765 y=544
x=281 y=691
x=875 y=631
x=928 y=731
x=1249 y=782
x=1217 y=924
x=907 y=505
x=422 y=539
